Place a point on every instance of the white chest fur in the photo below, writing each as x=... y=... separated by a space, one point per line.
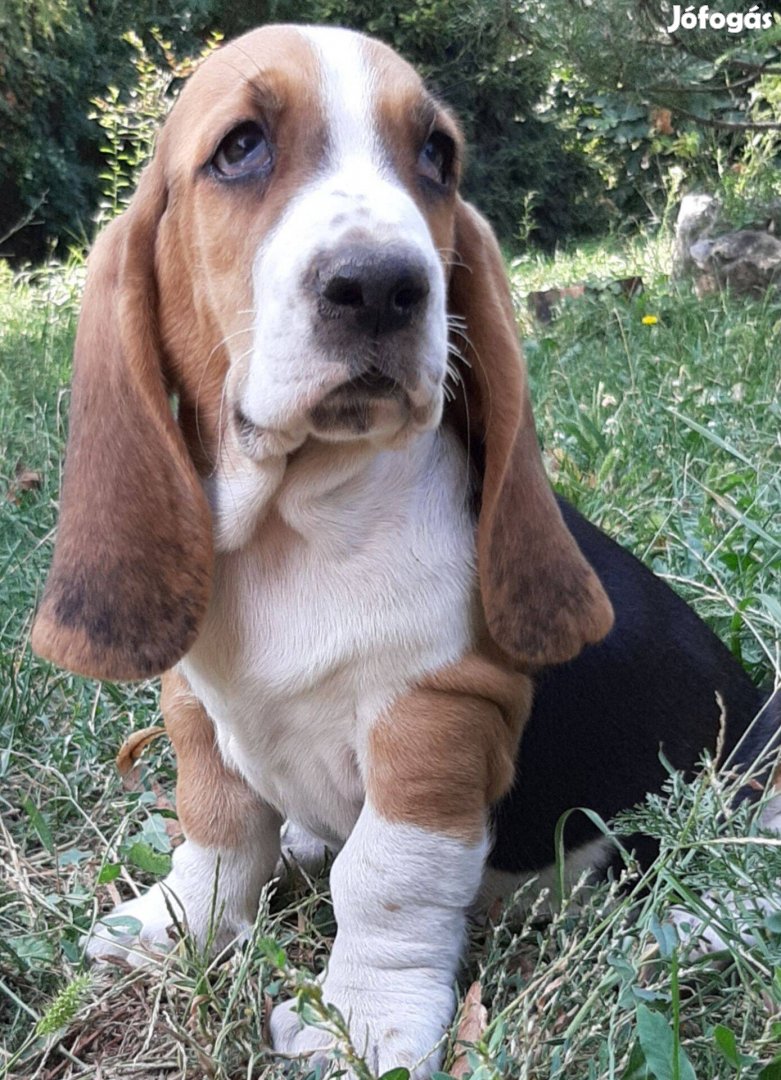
x=360 y=579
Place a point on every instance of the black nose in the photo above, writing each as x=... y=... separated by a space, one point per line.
x=379 y=291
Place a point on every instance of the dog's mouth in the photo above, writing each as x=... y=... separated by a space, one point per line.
x=372 y=405
x=361 y=405
x=371 y=384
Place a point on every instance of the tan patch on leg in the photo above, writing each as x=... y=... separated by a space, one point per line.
x=214 y=804
x=446 y=750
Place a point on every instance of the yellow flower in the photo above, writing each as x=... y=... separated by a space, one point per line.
x=650 y=320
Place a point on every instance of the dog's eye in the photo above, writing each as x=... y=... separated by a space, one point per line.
x=436 y=158
x=243 y=151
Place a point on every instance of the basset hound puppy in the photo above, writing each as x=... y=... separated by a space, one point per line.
x=339 y=545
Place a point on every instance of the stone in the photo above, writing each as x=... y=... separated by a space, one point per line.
x=698 y=217
x=747 y=262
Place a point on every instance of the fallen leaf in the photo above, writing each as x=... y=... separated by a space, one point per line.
x=24 y=480
x=265 y=1027
x=471 y=1026
x=662 y=121
x=132 y=749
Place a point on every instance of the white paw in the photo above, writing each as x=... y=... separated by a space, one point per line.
x=698 y=937
x=730 y=920
x=136 y=931
x=402 y=1027
x=141 y=931
x=212 y=896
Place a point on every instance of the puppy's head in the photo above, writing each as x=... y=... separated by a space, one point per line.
x=290 y=266
x=311 y=187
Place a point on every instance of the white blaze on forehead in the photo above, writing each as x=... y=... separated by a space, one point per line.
x=348 y=80
x=356 y=193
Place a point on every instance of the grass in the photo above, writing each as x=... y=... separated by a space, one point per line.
x=667 y=435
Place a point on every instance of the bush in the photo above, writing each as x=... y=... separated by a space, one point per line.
x=656 y=112
x=55 y=56
x=479 y=57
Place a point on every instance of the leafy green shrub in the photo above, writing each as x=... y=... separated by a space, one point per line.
x=55 y=56
x=130 y=121
x=750 y=187
x=654 y=112
x=593 y=108
x=480 y=57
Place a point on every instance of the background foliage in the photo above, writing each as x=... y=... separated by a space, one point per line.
x=577 y=114
x=55 y=57
x=655 y=111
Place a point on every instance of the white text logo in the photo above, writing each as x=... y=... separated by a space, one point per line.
x=702 y=18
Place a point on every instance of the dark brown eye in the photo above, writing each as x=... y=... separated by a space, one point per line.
x=436 y=158
x=244 y=151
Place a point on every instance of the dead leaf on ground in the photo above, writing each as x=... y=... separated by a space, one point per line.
x=265 y=1027
x=24 y=480
x=471 y=1027
x=662 y=121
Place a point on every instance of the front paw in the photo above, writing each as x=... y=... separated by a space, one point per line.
x=724 y=922
x=210 y=895
x=304 y=849
x=137 y=932
x=392 y=1027
x=141 y=931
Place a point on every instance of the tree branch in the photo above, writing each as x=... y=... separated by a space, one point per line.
x=729 y=125
x=24 y=221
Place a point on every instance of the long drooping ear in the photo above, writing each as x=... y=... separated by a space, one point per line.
x=541 y=598
x=131 y=573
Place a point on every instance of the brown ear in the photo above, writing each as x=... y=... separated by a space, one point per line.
x=541 y=598
x=130 y=578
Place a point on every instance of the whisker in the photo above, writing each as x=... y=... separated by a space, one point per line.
x=450 y=255
x=454 y=350
x=220 y=413
x=229 y=337
x=260 y=84
x=452 y=373
x=204 y=373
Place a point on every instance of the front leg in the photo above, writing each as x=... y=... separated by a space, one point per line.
x=413 y=864
x=400 y=895
x=230 y=851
